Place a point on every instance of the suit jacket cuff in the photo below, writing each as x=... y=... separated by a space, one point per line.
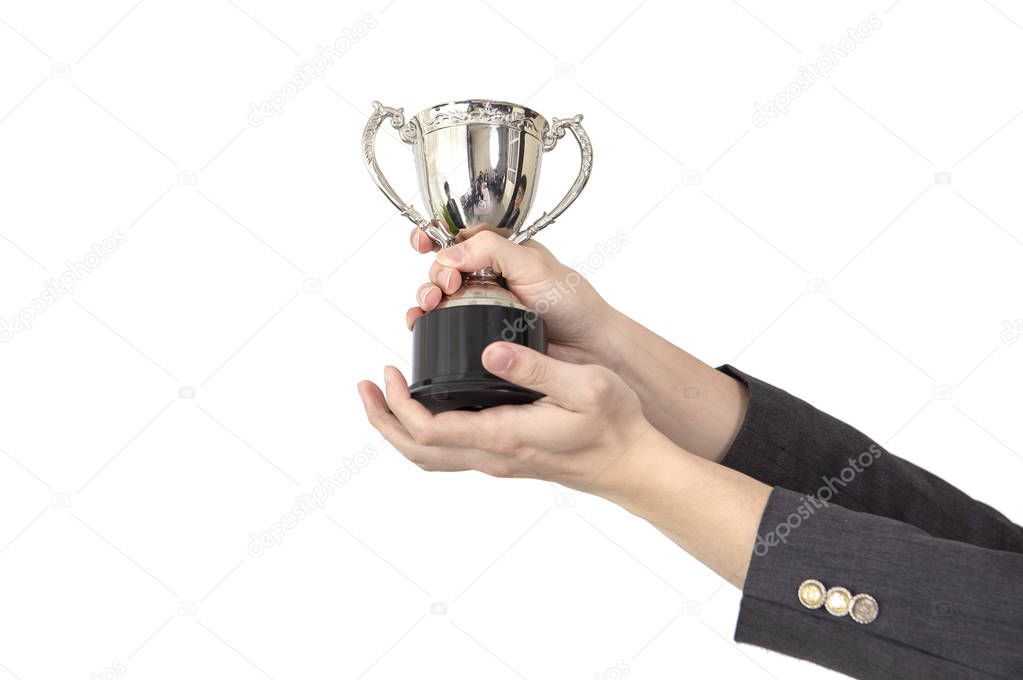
x=946 y=609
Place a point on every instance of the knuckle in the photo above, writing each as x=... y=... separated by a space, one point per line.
x=586 y=395
x=598 y=386
x=414 y=457
x=416 y=429
x=427 y=436
x=542 y=258
x=487 y=239
x=534 y=372
x=505 y=442
x=538 y=250
x=473 y=246
x=421 y=458
x=604 y=383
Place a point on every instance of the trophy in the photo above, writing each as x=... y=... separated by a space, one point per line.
x=477 y=162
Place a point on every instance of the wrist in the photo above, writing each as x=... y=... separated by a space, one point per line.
x=710 y=511
x=693 y=404
x=632 y=479
x=611 y=336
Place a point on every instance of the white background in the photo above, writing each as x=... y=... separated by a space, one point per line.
x=817 y=252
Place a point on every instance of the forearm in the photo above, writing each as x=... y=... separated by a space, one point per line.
x=697 y=407
x=710 y=511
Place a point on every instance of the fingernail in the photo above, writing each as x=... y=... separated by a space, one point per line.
x=452 y=255
x=497 y=358
x=421 y=297
x=454 y=280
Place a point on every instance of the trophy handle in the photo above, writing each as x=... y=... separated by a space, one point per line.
x=407 y=132
x=550 y=140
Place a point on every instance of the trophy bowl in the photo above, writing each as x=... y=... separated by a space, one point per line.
x=477 y=164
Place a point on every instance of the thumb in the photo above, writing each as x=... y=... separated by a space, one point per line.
x=529 y=368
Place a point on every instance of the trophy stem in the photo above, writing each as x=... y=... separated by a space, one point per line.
x=483 y=287
x=486 y=274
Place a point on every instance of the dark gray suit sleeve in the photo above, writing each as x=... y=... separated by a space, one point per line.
x=945 y=570
x=946 y=609
x=786 y=442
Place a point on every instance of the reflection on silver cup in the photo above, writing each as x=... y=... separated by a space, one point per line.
x=478 y=162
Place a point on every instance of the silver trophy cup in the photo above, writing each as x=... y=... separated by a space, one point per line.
x=478 y=162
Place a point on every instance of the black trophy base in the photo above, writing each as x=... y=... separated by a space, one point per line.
x=447 y=344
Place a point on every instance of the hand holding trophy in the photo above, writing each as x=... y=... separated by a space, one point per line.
x=477 y=162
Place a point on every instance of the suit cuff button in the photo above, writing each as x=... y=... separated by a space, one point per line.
x=836 y=601
x=863 y=608
x=811 y=594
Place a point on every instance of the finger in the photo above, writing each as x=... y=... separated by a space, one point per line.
x=447 y=278
x=487 y=249
x=491 y=430
x=412 y=315
x=449 y=430
x=445 y=429
x=428 y=296
x=381 y=417
x=410 y=413
x=395 y=433
x=421 y=242
x=566 y=384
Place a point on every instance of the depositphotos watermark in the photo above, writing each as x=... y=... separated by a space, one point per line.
x=308 y=503
x=306 y=73
x=812 y=72
x=63 y=285
x=615 y=672
x=1012 y=331
x=115 y=670
x=567 y=285
x=810 y=504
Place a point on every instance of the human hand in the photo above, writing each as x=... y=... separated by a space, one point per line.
x=584 y=329
x=578 y=319
x=588 y=433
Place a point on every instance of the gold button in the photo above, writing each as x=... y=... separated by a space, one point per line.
x=836 y=601
x=811 y=594
x=863 y=608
